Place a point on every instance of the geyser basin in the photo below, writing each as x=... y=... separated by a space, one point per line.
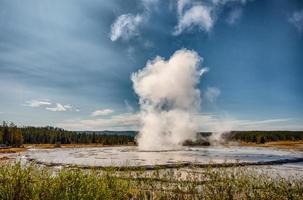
x=131 y=156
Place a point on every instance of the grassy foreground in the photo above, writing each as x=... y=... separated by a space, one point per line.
x=33 y=182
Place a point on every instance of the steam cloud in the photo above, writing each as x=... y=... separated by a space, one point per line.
x=169 y=100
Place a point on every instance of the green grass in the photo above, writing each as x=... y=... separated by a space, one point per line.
x=34 y=182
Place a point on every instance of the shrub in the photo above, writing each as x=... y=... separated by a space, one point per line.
x=36 y=182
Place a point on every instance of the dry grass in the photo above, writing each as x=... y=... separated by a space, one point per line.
x=32 y=182
x=51 y=146
x=293 y=145
x=12 y=150
x=47 y=146
x=4 y=158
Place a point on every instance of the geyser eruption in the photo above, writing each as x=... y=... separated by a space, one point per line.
x=169 y=100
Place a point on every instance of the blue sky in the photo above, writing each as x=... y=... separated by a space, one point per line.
x=68 y=63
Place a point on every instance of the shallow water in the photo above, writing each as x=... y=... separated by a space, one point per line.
x=131 y=156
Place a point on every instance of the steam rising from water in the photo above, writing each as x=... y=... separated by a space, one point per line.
x=169 y=100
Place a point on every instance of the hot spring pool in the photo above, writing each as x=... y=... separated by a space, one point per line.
x=132 y=157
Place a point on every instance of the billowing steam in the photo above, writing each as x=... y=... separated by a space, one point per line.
x=169 y=100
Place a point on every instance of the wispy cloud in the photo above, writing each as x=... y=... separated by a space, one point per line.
x=203 y=15
x=267 y=124
x=213 y=123
x=59 y=108
x=207 y=122
x=68 y=106
x=234 y=16
x=129 y=107
x=149 y=4
x=218 y=124
x=125 y=27
x=181 y=4
x=204 y=71
x=198 y=15
x=37 y=103
x=211 y=94
x=297 y=20
x=125 y=121
x=102 y=112
x=223 y=2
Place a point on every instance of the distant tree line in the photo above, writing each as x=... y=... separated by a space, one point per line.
x=261 y=137
x=51 y=135
x=11 y=135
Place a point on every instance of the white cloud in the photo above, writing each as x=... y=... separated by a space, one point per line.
x=125 y=27
x=181 y=4
x=207 y=122
x=297 y=20
x=68 y=107
x=203 y=15
x=125 y=121
x=58 y=108
x=217 y=124
x=198 y=15
x=48 y=105
x=211 y=94
x=102 y=112
x=267 y=124
x=37 y=103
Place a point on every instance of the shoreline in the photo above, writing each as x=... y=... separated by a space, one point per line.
x=25 y=147
x=173 y=165
x=290 y=145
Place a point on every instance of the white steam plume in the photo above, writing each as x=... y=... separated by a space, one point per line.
x=168 y=100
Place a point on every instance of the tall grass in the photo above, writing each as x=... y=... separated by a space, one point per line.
x=34 y=182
